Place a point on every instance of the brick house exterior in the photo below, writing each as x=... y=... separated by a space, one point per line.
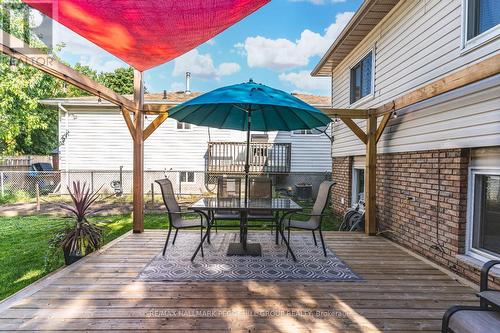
x=422 y=203
x=438 y=163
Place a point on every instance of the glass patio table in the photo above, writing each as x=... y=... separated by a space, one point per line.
x=282 y=206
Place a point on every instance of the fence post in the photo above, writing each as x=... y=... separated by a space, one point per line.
x=2 y=190
x=180 y=185
x=37 y=197
x=92 y=181
x=152 y=195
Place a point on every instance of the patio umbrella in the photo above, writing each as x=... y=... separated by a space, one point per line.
x=249 y=106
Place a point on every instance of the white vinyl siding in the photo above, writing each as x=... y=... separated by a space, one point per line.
x=99 y=140
x=419 y=42
x=310 y=152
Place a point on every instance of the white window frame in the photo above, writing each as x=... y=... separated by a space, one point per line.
x=314 y=132
x=183 y=129
x=469 y=250
x=355 y=178
x=479 y=40
x=187 y=177
x=355 y=63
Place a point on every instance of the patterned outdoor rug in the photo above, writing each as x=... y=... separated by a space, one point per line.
x=312 y=265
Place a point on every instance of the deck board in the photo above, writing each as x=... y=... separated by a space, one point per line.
x=399 y=293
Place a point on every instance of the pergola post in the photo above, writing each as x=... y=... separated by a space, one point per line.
x=138 y=152
x=371 y=175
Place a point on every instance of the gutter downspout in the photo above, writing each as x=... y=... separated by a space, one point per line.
x=66 y=147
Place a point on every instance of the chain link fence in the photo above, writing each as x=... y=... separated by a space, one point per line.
x=17 y=186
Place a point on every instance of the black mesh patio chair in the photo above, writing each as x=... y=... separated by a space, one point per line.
x=316 y=215
x=227 y=188
x=484 y=318
x=175 y=215
x=261 y=188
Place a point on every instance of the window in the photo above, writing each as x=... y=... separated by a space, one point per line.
x=183 y=126
x=303 y=131
x=362 y=78
x=481 y=16
x=481 y=22
x=484 y=218
x=186 y=176
x=358 y=185
x=319 y=130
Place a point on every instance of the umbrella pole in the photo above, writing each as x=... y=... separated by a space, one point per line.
x=247 y=162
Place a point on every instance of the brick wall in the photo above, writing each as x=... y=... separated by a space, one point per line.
x=342 y=175
x=421 y=203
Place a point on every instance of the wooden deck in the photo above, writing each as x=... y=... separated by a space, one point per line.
x=399 y=293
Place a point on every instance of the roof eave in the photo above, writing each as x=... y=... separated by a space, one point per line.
x=355 y=21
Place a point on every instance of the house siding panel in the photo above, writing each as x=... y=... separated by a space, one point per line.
x=99 y=140
x=418 y=42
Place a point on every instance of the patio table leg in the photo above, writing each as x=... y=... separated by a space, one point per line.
x=244 y=229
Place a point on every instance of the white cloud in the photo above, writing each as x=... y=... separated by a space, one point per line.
x=203 y=66
x=281 y=53
x=228 y=68
x=85 y=52
x=177 y=86
x=304 y=82
x=211 y=41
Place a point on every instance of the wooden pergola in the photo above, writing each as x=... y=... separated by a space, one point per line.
x=133 y=112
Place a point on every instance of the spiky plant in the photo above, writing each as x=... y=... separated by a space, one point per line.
x=82 y=236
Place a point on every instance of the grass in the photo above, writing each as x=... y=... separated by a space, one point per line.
x=24 y=246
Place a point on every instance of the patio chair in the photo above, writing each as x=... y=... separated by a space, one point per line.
x=261 y=188
x=484 y=318
x=316 y=215
x=227 y=188
x=175 y=215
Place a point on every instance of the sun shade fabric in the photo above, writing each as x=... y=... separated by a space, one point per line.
x=271 y=109
x=146 y=34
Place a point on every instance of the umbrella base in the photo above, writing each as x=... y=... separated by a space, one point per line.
x=237 y=249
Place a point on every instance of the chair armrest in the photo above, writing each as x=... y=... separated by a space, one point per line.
x=306 y=214
x=452 y=310
x=484 y=273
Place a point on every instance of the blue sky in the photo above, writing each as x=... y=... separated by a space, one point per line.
x=278 y=45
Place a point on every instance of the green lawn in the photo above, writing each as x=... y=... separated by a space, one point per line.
x=24 y=244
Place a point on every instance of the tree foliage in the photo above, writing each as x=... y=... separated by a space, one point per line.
x=26 y=127
x=121 y=80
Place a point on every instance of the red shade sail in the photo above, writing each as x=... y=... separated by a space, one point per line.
x=147 y=33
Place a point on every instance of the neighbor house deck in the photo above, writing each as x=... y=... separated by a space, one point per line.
x=399 y=293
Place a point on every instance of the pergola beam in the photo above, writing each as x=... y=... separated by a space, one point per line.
x=154 y=125
x=18 y=49
x=348 y=113
x=152 y=109
x=355 y=129
x=381 y=127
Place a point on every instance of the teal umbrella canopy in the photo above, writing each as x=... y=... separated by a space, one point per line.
x=270 y=109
